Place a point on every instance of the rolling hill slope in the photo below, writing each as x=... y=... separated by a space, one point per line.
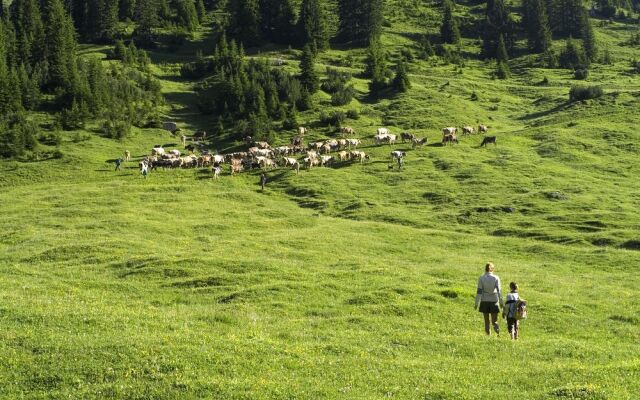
x=354 y=281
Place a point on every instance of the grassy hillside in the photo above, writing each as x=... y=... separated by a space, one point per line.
x=355 y=281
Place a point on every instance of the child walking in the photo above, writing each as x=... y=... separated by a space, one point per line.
x=509 y=311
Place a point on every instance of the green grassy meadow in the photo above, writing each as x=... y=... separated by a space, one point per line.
x=349 y=282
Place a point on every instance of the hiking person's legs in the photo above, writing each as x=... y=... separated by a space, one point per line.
x=494 y=322
x=487 y=327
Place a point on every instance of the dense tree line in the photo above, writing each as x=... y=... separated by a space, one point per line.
x=38 y=59
x=253 y=21
x=250 y=92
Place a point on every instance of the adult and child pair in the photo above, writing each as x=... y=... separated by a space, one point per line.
x=489 y=298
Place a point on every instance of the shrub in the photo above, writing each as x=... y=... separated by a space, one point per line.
x=116 y=129
x=572 y=56
x=581 y=73
x=50 y=138
x=343 y=96
x=335 y=118
x=335 y=81
x=578 y=93
x=353 y=114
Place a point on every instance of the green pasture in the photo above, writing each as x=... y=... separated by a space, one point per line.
x=355 y=281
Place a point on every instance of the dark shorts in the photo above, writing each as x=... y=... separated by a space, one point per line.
x=512 y=324
x=489 y=307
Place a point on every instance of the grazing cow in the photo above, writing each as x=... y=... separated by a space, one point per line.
x=310 y=162
x=407 y=136
x=282 y=150
x=217 y=159
x=325 y=160
x=289 y=161
x=316 y=145
x=175 y=153
x=359 y=155
x=200 y=135
x=347 y=130
x=342 y=143
x=379 y=138
x=449 y=139
x=157 y=151
x=262 y=145
x=353 y=143
x=267 y=163
x=325 y=148
x=451 y=130
x=332 y=142
x=302 y=131
x=127 y=155
x=468 y=130
x=236 y=167
x=343 y=155
x=312 y=154
x=297 y=141
x=216 y=169
x=398 y=154
x=488 y=140
x=390 y=139
x=483 y=129
x=382 y=131
x=170 y=126
x=418 y=142
x=264 y=152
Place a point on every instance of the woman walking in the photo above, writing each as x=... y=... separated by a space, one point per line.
x=489 y=296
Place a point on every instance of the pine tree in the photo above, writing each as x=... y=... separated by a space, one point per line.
x=187 y=15
x=498 y=22
x=401 y=82
x=201 y=10
x=449 y=31
x=308 y=75
x=29 y=89
x=29 y=31
x=127 y=9
x=501 y=52
x=245 y=21
x=60 y=47
x=588 y=38
x=278 y=20
x=146 y=15
x=376 y=67
x=536 y=24
x=360 y=21
x=313 y=25
x=572 y=56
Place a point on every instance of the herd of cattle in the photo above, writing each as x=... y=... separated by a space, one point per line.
x=321 y=153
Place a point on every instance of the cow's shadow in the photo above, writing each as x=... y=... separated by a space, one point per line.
x=170 y=145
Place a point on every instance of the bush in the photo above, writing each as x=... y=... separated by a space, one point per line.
x=581 y=73
x=335 y=118
x=353 y=114
x=50 y=138
x=343 y=96
x=116 y=129
x=578 y=93
x=335 y=81
x=74 y=117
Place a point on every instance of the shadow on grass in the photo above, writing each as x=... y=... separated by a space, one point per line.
x=539 y=114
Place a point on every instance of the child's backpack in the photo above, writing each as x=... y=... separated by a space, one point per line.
x=521 y=309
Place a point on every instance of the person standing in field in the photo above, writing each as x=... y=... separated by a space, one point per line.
x=118 y=162
x=509 y=311
x=489 y=297
x=263 y=181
